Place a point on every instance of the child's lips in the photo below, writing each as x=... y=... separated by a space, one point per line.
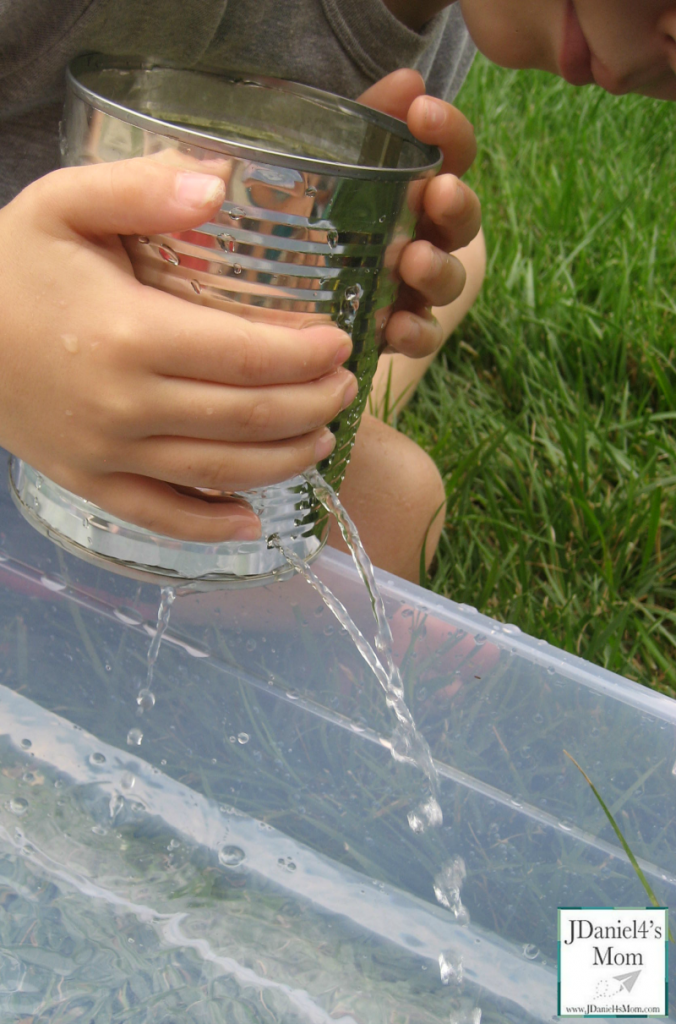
x=575 y=57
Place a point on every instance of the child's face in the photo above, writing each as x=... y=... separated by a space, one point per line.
x=622 y=45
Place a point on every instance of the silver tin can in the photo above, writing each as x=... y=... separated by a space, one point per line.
x=321 y=195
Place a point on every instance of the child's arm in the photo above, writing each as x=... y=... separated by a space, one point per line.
x=451 y=213
x=110 y=387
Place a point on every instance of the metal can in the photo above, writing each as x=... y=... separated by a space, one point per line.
x=322 y=193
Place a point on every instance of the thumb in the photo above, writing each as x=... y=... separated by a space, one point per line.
x=127 y=197
x=395 y=93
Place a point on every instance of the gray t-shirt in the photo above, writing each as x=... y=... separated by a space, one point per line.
x=339 y=45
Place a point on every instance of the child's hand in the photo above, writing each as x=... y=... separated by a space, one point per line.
x=131 y=397
x=450 y=213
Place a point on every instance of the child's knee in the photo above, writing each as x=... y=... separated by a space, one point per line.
x=395 y=494
x=423 y=487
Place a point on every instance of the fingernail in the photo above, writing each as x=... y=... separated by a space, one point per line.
x=459 y=196
x=437 y=262
x=433 y=113
x=413 y=331
x=350 y=393
x=325 y=445
x=343 y=354
x=197 y=190
x=246 y=530
x=344 y=343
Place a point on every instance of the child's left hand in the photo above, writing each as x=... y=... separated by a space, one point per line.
x=450 y=217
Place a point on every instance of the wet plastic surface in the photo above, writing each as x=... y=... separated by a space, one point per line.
x=262 y=706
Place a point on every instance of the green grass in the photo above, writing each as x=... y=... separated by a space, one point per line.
x=551 y=411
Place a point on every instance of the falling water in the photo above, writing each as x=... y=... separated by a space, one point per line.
x=408 y=744
x=167 y=598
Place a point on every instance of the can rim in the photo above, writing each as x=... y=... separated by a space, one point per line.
x=101 y=62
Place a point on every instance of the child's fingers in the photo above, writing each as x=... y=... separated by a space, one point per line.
x=179 y=339
x=217 y=412
x=451 y=215
x=158 y=507
x=395 y=93
x=192 y=462
x=438 y=123
x=413 y=334
x=126 y=197
x=438 y=277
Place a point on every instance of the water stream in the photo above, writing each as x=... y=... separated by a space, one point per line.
x=408 y=744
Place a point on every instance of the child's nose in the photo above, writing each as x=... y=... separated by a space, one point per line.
x=666 y=26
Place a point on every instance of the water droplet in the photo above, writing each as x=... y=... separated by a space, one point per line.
x=226 y=242
x=292 y=694
x=168 y=254
x=143 y=239
x=480 y=639
x=355 y=291
x=416 y=824
x=566 y=826
x=332 y=239
x=18 y=805
x=26 y=744
x=382 y=218
x=128 y=780
x=530 y=951
x=231 y=856
x=99 y=830
x=163 y=761
x=108 y=667
x=431 y=812
x=551 y=670
x=145 y=699
x=97 y=758
x=538 y=718
x=243 y=737
x=237 y=269
x=38 y=483
x=134 y=737
x=237 y=213
x=447 y=886
x=70 y=343
x=329 y=630
x=449 y=971
x=196 y=287
x=310 y=191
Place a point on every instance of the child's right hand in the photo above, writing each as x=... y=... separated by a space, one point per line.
x=122 y=393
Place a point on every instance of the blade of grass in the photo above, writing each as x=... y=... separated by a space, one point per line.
x=625 y=845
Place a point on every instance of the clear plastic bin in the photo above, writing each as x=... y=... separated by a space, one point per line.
x=250 y=858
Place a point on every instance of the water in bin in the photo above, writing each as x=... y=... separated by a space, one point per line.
x=230 y=814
